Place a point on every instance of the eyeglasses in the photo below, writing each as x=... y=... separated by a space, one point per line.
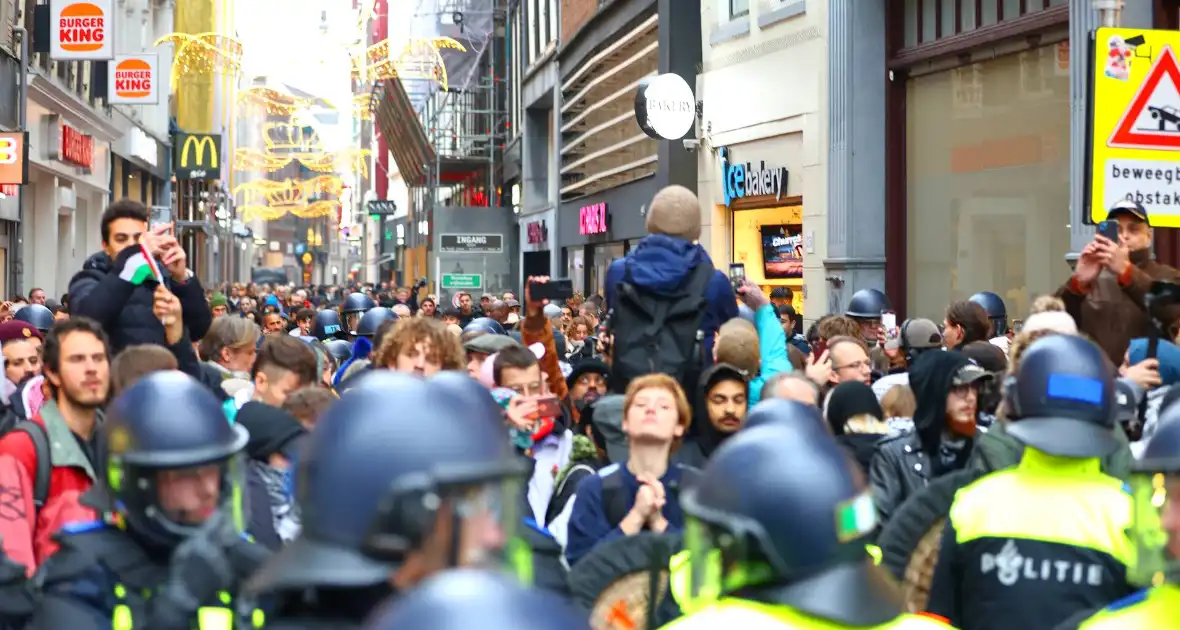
x=858 y=365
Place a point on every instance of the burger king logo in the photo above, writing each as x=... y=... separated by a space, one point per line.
x=82 y=28
x=133 y=79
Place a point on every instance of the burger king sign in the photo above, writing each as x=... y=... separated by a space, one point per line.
x=81 y=29
x=133 y=80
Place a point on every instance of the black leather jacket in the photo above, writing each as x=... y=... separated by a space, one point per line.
x=899 y=469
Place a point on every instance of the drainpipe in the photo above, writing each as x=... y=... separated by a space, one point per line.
x=1109 y=11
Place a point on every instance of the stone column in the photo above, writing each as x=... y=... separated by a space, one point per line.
x=856 y=152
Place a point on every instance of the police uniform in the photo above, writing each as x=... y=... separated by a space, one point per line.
x=1154 y=608
x=753 y=564
x=370 y=487
x=1033 y=545
x=138 y=568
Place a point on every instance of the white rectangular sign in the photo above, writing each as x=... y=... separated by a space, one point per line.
x=134 y=79
x=81 y=29
x=1153 y=183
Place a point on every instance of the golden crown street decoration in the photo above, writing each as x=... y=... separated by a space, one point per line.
x=268 y=199
x=420 y=58
x=202 y=53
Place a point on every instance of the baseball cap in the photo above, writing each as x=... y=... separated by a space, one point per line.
x=1127 y=206
x=921 y=334
x=723 y=372
x=970 y=373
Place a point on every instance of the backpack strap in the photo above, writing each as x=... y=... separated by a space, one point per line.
x=566 y=490
x=615 y=500
x=699 y=279
x=41 y=476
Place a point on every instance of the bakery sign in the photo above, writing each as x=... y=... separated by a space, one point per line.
x=593 y=219
x=70 y=145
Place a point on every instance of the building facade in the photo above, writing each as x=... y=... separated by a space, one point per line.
x=10 y=273
x=977 y=138
x=608 y=169
x=762 y=177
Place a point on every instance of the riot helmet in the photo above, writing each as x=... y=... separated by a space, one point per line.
x=1063 y=400
x=327 y=325
x=774 y=410
x=867 y=304
x=371 y=481
x=996 y=311
x=164 y=427
x=37 y=316
x=355 y=305
x=811 y=557
x=466 y=598
x=340 y=349
x=483 y=325
x=1155 y=491
x=372 y=320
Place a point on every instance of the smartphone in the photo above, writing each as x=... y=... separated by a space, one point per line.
x=819 y=348
x=548 y=407
x=552 y=290
x=889 y=323
x=1109 y=229
x=1017 y=325
x=737 y=274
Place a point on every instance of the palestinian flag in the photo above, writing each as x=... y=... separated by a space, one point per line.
x=140 y=268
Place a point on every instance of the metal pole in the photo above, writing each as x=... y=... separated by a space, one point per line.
x=16 y=239
x=1109 y=12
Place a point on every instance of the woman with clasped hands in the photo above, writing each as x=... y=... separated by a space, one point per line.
x=640 y=494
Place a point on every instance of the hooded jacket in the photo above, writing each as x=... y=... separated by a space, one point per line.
x=661 y=265
x=903 y=463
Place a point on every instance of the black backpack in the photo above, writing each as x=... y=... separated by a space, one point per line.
x=658 y=333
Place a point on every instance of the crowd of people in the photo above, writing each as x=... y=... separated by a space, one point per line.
x=680 y=451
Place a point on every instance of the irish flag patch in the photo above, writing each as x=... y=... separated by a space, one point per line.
x=855 y=517
x=140 y=268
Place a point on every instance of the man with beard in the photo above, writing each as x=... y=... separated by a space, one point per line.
x=726 y=391
x=32 y=475
x=946 y=386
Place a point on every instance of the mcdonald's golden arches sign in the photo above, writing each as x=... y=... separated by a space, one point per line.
x=197 y=155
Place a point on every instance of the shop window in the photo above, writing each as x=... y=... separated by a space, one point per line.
x=769 y=242
x=738 y=8
x=987 y=202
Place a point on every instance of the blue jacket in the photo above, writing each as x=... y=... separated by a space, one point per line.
x=589 y=525
x=661 y=264
x=772 y=348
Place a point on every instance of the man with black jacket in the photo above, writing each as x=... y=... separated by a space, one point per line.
x=123 y=307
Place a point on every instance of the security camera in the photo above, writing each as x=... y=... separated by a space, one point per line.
x=691 y=144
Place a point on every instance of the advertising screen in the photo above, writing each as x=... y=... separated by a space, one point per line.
x=782 y=251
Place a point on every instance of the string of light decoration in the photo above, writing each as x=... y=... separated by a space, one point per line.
x=202 y=54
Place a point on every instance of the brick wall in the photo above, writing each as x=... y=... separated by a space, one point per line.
x=575 y=13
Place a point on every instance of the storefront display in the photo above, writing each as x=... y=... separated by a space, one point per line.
x=138 y=171
x=593 y=231
x=769 y=242
x=536 y=246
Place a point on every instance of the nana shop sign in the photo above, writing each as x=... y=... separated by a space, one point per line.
x=593 y=219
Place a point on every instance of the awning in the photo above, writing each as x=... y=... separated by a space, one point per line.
x=403 y=132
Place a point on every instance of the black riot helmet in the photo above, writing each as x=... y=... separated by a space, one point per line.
x=996 y=311
x=327 y=325
x=775 y=410
x=361 y=464
x=372 y=320
x=37 y=316
x=1062 y=401
x=340 y=349
x=356 y=303
x=483 y=325
x=867 y=304
x=811 y=557
x=166 y=421
x=466 y=598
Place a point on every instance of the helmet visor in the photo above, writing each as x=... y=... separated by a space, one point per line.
x=488 y=526
x=175 y=502
x=1155 y=530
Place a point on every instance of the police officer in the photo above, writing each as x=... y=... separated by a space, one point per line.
x=340 y=350
x=170 y=551
x=866 y=307
x=388 y=500
x=353 y=306
x=327 y=326
x=757 y=565
x=1035 y=544
x=996 y=311
x=36 y=315
x=372 y=320
x=464 y=599
x=1155 y=484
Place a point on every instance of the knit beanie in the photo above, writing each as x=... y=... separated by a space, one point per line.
x=217 y=299
x=675 y=211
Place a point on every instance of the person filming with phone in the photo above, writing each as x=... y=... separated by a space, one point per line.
x=119 y=288
x=1113 y=273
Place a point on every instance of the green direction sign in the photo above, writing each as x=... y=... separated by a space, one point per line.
x=462 y=281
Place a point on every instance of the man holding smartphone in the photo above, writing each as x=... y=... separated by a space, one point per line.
x=1105 y=293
